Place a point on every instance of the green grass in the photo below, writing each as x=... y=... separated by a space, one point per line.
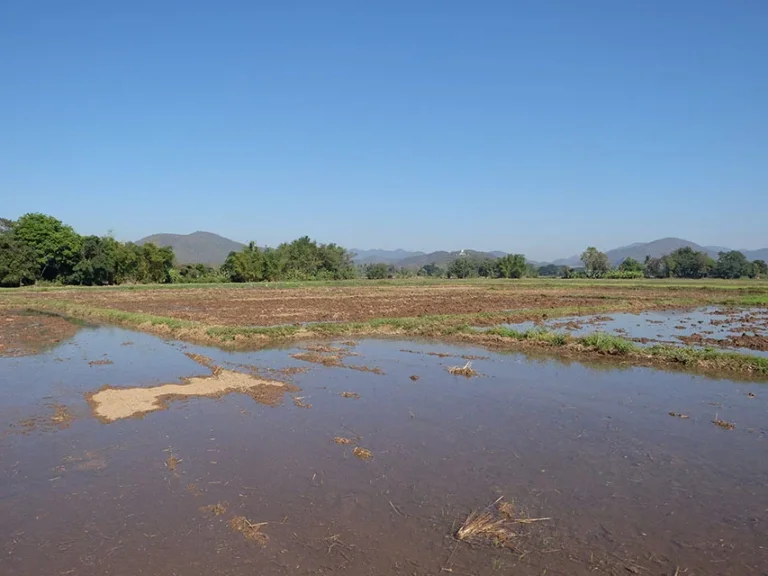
x=756 y=287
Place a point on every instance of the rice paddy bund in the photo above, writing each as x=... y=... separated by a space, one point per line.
x=406 y=428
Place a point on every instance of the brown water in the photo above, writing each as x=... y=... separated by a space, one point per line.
x=628 y=488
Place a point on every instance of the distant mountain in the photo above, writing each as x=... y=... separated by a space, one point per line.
x=659 y=248
x=761 y=254
x=381 y=256
x=195 y=248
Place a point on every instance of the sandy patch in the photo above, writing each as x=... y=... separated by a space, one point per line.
x=110 y=404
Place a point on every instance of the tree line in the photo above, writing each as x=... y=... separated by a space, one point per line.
x=682 y=263
x=38 y=248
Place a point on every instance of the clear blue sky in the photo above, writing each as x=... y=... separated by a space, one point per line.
x=537 y=127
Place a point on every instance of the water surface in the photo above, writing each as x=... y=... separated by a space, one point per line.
x=628 y=488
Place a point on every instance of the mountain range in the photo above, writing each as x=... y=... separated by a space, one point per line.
x=659 y=248
x=212 y=249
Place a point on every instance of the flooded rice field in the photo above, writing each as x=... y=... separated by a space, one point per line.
x=743 y=330
x=123 y=454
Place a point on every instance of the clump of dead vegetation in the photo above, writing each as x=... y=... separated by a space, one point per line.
x=217 y=509
x=497 y=525
x=93 y=363
x=374 y=370
x=725 y=425
x=679 y=415
x=202 y=360
x=342 y=440
x=362 y=453
x=354 y=395
x=466 y=370
x=318 y=358
x=299 y=401
x=172 y=463
x=250 y=531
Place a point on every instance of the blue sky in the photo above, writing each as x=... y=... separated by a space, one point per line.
x=534 y=126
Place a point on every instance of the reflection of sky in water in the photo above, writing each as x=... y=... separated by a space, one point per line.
x=665 y=326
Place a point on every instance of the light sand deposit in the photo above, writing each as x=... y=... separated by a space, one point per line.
x=110 y=404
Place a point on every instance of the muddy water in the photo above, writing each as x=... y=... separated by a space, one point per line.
x=628 y=488
x=716 y=325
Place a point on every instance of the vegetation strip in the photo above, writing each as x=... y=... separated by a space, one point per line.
x=458 y=328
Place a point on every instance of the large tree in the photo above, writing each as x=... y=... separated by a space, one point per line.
x=596 y=263
x=732 y=265
x=630 y=265
x=759 y=269
x=57 y=247
x=511 y=266
x=688 y=263
x=18 y=265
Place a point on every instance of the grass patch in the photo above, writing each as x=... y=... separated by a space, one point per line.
x=607 y=343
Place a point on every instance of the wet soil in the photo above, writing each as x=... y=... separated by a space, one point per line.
x=23 y=333
x=620 y=486
x=236 y=306
x=745 y=330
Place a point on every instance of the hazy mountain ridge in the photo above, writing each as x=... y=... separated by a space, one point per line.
x=195 y=248
x=659 y=248
x=377 y=256
x=212 y=249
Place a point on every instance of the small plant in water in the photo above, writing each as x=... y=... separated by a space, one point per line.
x=723 y=424
x=465 y=370
x=362 y=453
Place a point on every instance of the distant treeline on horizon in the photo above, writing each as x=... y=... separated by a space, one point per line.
x=40 y=249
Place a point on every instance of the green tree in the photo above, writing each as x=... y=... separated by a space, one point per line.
x=630 y=265
x=18 y=262
x=759 y=269
x=376 y=271
x=511 y=266
x=731 y=265
x=688 y=263
x=248 y=265
x=98 y=262
x=57 y=247
x=461 y=267
x=596 y=263
x=431 y=270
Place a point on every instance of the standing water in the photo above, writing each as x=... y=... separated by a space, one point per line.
x=372 y=462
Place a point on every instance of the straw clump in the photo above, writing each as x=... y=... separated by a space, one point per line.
x=496 y=525
x=466 y=370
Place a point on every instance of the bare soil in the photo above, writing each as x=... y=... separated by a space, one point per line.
x=23 y=334
x=233 y=306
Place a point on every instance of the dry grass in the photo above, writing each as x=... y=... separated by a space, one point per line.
x=466 y=370
x=494 y=525
x=299 y=401
x=318 y=358
x=250 y=531
x=342 y=440
x=172 y=463
x=723 y=423
x=217 y=509
x=354 y=395
x=362 y=453
x=202 y=360
x=194 y=490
